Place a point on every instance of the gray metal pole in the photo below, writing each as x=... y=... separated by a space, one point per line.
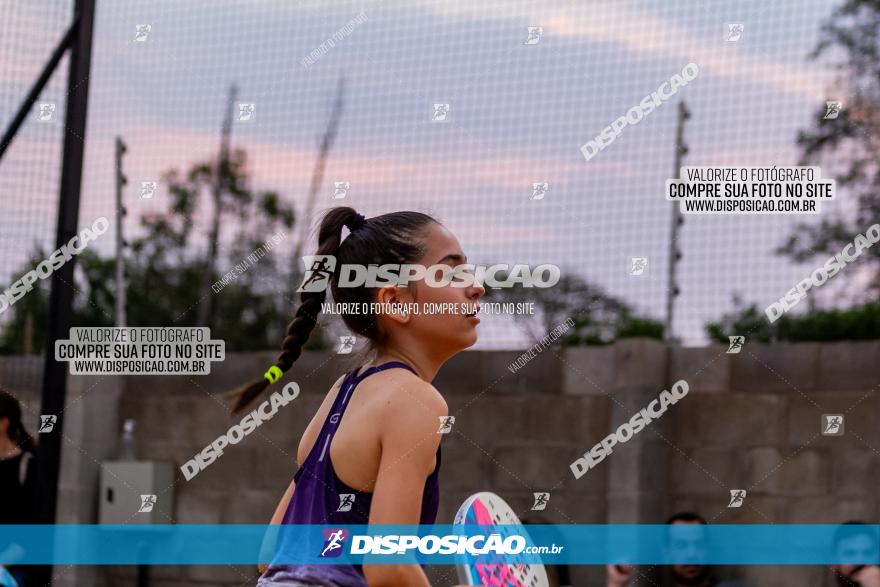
x=205 y=311
x=304 y=221
x=662 y=457
x=677 y=219
x=120 y=238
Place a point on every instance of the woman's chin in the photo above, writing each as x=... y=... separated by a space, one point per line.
x=471 y=340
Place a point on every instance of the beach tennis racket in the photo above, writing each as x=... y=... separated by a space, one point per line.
x=492 y=514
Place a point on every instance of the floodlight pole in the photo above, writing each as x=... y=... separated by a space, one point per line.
x=677 y=220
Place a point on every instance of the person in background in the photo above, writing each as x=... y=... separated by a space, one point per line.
x=692 y=574
x=17 y=475
x=558 y=575
x=858 y=542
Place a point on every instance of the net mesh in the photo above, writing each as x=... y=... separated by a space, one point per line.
x=517 y=115
x=474 y=112
x=29 y=175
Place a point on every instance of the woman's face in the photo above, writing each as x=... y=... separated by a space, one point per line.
x=443 y=311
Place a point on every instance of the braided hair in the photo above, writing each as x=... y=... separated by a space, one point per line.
x=390 y=238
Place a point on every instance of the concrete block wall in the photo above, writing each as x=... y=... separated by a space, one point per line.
x=750 y=421
x=757 y=426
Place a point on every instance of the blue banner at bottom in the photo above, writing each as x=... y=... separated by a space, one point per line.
x=440 y=544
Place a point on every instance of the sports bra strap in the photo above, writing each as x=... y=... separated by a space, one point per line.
x=376 y=368
x=328 y=428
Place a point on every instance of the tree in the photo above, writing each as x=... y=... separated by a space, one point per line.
x=165 y=271
x=859 y=323
x=854 y=32
x=598 y=317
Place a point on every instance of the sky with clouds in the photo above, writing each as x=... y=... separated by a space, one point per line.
x=518 y=114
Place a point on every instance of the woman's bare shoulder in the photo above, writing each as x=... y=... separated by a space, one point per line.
x=405 y=400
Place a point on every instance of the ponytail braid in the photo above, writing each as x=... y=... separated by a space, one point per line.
x=306 y=317
x=298 y=332
x=390 y=238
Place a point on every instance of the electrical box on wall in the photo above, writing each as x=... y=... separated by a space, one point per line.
x=136 y=492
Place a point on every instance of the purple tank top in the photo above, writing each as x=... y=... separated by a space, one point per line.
x=316 y=498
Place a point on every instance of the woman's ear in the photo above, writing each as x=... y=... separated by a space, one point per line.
x=394 y=303
x=395 y=294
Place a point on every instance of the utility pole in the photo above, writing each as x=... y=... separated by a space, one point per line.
x=662 y=457
x=305 y=220
x=677 y=220
x=121 y=180
x=206 y=308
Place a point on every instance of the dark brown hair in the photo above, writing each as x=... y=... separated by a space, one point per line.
x=852 y=529
x=390 y=238
x=10 y=408
x=688 y=517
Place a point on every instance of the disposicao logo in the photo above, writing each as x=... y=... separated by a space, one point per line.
x=333 y=540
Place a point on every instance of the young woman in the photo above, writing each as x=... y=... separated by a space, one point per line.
x=375 y=436
x=17 y=473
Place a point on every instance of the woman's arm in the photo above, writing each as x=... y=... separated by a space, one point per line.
x=265 y=548
x=409 y=441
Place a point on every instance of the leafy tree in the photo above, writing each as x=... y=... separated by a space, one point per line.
x=853 y=31
x=165 y=272
x=598 y=317
x=748 y=321
x=859 y=323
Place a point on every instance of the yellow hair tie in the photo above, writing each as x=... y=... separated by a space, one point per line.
x=273 y=374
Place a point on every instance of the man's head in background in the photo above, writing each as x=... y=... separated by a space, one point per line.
x=855 y=545
x=686 y=544
x=558 y=575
